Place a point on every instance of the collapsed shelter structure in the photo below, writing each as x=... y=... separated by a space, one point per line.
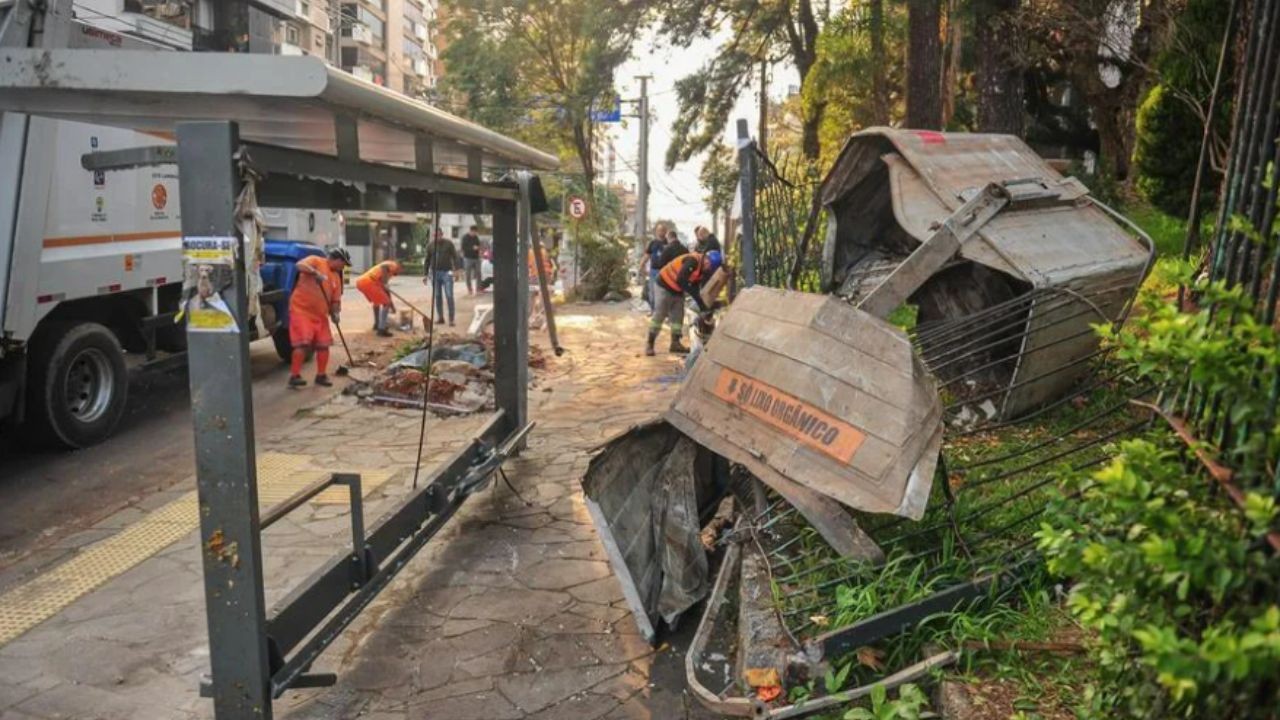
x=1039 y=273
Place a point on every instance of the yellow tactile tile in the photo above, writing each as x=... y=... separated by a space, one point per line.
x=280 y=476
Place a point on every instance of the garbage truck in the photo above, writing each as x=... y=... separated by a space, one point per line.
x=91 y=274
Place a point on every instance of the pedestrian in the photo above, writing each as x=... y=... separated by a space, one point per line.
x=682 y=276
x=651 y=263
x=375 y=286
x=707 y=241
x=672 y=250
x=441 y=261
x=316 y=299
x=471 y=260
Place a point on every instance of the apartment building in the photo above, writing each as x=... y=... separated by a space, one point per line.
x=391 y=43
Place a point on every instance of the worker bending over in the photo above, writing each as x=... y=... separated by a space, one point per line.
x=682 y=276
x=374 y=285
x=316 y=299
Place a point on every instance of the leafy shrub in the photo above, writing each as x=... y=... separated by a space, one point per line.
x=1173 y=580
x=1166 y=153
x=603 y=267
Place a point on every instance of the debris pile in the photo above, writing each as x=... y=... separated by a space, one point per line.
x=461 y=380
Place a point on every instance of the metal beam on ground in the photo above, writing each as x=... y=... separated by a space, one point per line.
x=222 y=414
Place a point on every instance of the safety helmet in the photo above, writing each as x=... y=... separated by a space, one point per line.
x=337 y=253
x=714 y=259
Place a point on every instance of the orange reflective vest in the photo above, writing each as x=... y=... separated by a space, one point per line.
x=670 y=275
x=373 y=283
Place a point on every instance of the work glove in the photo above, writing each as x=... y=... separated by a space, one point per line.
x=334 y=315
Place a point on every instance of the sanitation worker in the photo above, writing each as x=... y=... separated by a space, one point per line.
x=316 y=299
x=682 y=276
x=373 y=284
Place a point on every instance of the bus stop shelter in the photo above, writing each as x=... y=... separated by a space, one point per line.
x=306 y=135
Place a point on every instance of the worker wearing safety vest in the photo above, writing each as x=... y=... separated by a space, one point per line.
x=682 y=276
x=316 y=299
x=374 y=286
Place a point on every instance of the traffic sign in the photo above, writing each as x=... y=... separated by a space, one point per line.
x=577 y=207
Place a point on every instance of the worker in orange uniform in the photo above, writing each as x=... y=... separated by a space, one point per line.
x=374 y=286
x=316 y=299
x=682 y=276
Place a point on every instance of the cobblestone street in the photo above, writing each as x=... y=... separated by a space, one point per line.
x=511 y=612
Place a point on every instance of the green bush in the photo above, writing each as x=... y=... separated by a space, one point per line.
x=1173 y=580
x=602 y=267
x=1166 y=153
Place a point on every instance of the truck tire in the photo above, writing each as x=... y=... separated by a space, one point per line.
x=280 y=338
x=78 y=385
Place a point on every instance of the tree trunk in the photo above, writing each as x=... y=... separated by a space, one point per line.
x=924 y=65
x=879 y=66
x=999 y=77
x=582 y=141
x=953 y=56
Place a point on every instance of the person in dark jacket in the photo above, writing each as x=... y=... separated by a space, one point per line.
x=441 y=261
x=682 y=276
x=707 y=241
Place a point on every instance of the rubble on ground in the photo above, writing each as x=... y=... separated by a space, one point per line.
x=461 y=380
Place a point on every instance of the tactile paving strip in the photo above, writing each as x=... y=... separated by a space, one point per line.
x=280 y=476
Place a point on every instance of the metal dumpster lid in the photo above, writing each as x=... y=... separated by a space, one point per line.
x=931 y=173
x=806 y=389
x=292 y=102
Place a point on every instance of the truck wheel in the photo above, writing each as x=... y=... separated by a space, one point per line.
x=78 y=385
x=280 y=338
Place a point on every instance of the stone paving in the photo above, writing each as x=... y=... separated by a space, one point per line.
x=511 y=612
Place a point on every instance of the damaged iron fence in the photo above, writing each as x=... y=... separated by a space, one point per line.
x=999 y=269
x=1244 y=256
x=788 y=220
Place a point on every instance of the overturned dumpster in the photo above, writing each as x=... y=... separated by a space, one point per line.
x=1036 y=274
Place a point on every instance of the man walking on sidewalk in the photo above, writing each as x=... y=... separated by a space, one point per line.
x=441 y=262
x=374 y=286
x=316 y=299
x=471 y=260
x=682 y=276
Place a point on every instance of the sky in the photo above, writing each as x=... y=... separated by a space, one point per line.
x=675 y=195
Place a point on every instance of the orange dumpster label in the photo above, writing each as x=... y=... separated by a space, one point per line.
x=789 y=414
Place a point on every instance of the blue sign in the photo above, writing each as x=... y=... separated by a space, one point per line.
x=613 y=114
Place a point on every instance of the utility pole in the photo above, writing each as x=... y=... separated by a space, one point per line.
x=642 y=206
x=764 y=108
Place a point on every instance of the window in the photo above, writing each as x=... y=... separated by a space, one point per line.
x=291 y=34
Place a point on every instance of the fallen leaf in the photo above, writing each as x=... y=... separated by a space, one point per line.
x=762 y=677
x=820 y=620
x=769 y=693
x=870 y=657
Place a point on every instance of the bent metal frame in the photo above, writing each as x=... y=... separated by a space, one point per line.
x=256 y=656
x=302 y=124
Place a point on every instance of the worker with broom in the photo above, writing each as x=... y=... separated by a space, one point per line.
x=316 y=299
x=375 y=286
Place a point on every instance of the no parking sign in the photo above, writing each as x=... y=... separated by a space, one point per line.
x=577 y=207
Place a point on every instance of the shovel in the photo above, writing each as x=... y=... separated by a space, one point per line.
x=343 y=370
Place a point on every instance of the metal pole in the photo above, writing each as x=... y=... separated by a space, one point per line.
x=511 y=314
x=747 y=194
x=764 y=107
x=642 y=210
x=222 y=413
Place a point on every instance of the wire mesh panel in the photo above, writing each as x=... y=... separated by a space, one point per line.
x=788 y=247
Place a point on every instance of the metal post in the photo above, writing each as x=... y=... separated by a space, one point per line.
x=222 y=413
x=747 y=170
x=642 y=183
x=511 y=314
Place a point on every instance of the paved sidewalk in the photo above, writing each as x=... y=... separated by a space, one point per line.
x=511 y=612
